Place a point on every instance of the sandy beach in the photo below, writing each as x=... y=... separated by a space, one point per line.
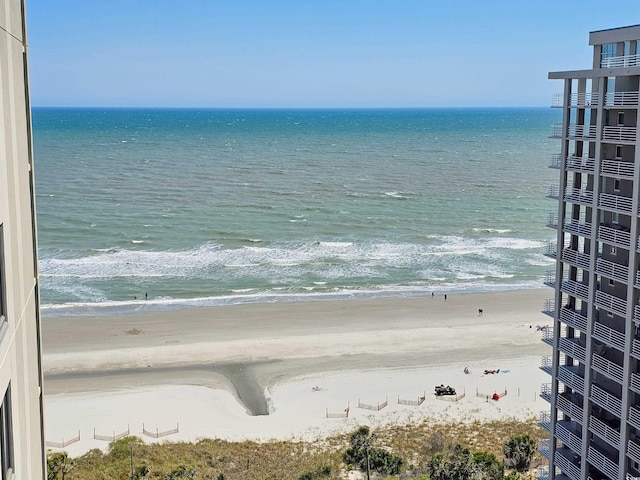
x=217 y=372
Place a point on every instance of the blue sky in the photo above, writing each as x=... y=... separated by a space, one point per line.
x=315 y=53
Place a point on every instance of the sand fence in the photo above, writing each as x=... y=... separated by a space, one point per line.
x=377 y=407
x=64 y=442
x=414 y=403
x=452 y=398
x=113 y=437
x=159 y=434
x=344 y=414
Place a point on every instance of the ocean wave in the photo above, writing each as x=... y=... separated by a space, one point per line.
x=492 y=230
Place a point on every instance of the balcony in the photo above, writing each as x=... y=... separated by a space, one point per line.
x=634 y=417
x=549 y=307
x=546 y=363
x=637 y=282
x=608 y=335
x=556 y=131
x=633 y=451
x=582 y=131
x=580 y=196
x=553 y=192
x=635 y=348
x=552 y=250
x=606 y=400
x=577 y=227
x=570 y=434
x=570 y=404
x=580 y=164
x=545 y=420
x=555 y=161
x=573 y=319
x=611 y=369
x=617 y=236
x=572 y=347
x=619 y=134
x=543 y=473
x=620 y=62
x=576 y=289
x=611 y=303
x=616 y=203
x=550 y=279
x=569 y=376
x=636 y=314
x=635 y=382
x=545 y=392
x=547 y=336
x=607 y=464
x=615 y=271
x=616 y=169
x=544 y=447
x=571 y=468
x=552 y=220
x=577 y=259
x=604 y=431
x=621 y=99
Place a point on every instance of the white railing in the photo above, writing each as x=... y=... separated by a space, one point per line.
x=568 y=407
x=633 y=450
x=608 y=335
x=601 y=462
x=582 y=164
x=637 y=284
x=619 y=134
x=607 y=367
x=619 y=62
x=546 y=362
x=545 y=419
x=553 y=192
x=552 y=220
x=549 y=307
x=550 y=278
x=544 y=447
x=613 y=236
x=547 y=335
x=579 y=228
x=574 y=288
x=545 y=392
x=556 y=131
x=568 y=437
x=604 y=431
x=583 y=131
x=635 y=348
x=621 y=99
x=552 y=250
x=543 y=473
x=614 y=168
x=573 y=319
x=615 y=202
x=577 y=195
x=636 y=313
x=555 y=161
x=612 y=270
x=570 y=469
x=570 y=379
x=573 y=348
x=611 y=303
x=607 y=401
x=634 y=417
x=635 y=382
x=575 y=258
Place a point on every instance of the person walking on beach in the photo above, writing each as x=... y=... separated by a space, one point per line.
x=445 y=297
x=480 y=311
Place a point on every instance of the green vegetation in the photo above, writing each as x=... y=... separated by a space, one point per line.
x=519 y=450
x=407 y=452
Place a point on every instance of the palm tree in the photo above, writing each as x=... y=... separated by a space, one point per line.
x=520 y=450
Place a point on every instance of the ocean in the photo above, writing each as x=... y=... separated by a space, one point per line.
x=149 y=209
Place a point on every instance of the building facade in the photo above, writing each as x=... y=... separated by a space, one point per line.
x=594 y=393
x=21 y=425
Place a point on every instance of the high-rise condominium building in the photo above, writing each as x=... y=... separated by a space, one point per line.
x=21 y=433
x=594 y=420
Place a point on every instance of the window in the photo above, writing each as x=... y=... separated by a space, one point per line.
x=608 y=50
x=620 y=118
x=613 y=250
x=3 y=298
x=612 y=283
x=616 y=184
x=615 y=218
x=6 y=437
x=618 y=151
x=609 y=314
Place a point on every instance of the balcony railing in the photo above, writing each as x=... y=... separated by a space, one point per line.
x=572 y=347
x=611 y=303
x=606 y=400
x=550 y=278
x=564 y=402
x=603 y=463
x=621 y=99
x=552 y=220
x=549 y=307
x=582 y=131
x=619 y=134
x=544 y=447
x=577 y=195
x=635 y=382
x=577 y=259
x=556 y=131
x=542 y=473
x=636 y=314
x=547 y=335
x=569 y=376
x=614 y=236
x=604 y=431
x=555 y=161
x=615 y=271
x=617 y=203
x=573 y=319
x=580 y=228
x=581 y=164
x=620 y=62
x=545 y=392
x=617 y=169
x=576 y=289
x=569 y=468
x=569 y=433
x=635 y=348
x=633 y=451
x=607 y=367
x=634 y=417
x=608 y=335
x=545 y=420
x=553 y=192
x=551 y=250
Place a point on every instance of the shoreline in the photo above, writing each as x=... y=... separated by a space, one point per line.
x=242 y=356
